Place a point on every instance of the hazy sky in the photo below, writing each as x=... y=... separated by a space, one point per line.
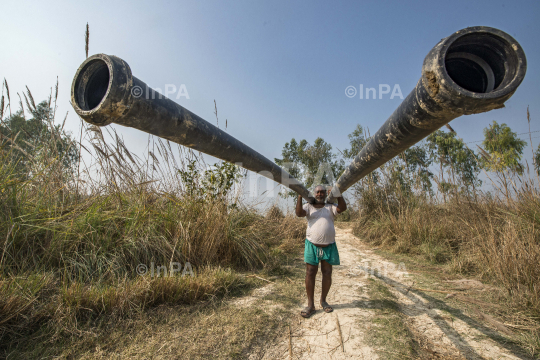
x=277 y=69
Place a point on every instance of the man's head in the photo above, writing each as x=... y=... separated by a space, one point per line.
x=320 y=193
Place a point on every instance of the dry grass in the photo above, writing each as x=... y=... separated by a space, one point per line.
x=493 y=237
x=216 y=330
x=74 y=236
x=486 y=239
x=28 y=302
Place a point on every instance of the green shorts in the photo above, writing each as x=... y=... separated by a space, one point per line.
x=313 y=254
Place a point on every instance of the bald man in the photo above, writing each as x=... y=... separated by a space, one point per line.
x=320 y=245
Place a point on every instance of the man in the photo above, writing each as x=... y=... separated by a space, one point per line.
x=320 y=245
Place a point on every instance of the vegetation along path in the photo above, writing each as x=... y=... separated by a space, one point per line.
x=379 y=312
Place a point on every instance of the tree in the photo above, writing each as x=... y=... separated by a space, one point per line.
x=504 y=147
x=417 y=161
x=405 y=173
x=215 y=182
x=502 y=152
x=307 y=162
x=30 y=139
x=292 y=160
x=453 y=156
x=357 y=140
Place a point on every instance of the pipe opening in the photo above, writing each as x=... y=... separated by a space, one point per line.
x=92 y=85
x=481 y=63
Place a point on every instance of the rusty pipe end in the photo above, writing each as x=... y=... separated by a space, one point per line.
x=101 y=89
x=474 y=70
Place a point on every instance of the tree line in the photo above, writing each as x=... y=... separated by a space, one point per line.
x=458 y=165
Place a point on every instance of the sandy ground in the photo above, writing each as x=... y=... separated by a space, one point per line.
x=342 y=333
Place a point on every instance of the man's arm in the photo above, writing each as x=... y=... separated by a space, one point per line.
x=300 y=212
x=341 y=205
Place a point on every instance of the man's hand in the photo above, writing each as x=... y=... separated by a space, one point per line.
x=341 y=205
x=300 y=212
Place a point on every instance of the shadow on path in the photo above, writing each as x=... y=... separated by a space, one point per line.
x=459 y=342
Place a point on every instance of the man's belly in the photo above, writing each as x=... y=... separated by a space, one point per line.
x=322 y=233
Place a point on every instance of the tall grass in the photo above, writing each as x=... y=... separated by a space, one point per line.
x=74 y=236
x=495 y=236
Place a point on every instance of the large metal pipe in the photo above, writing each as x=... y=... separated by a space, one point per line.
x=472 y=71
x=105 y=91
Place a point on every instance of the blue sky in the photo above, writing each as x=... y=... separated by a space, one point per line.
x=277 y=69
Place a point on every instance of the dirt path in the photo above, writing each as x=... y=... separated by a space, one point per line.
x=438 y=334
x=319 y=336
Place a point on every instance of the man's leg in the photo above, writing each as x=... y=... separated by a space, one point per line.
x=326 y=270
x=311 y=273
